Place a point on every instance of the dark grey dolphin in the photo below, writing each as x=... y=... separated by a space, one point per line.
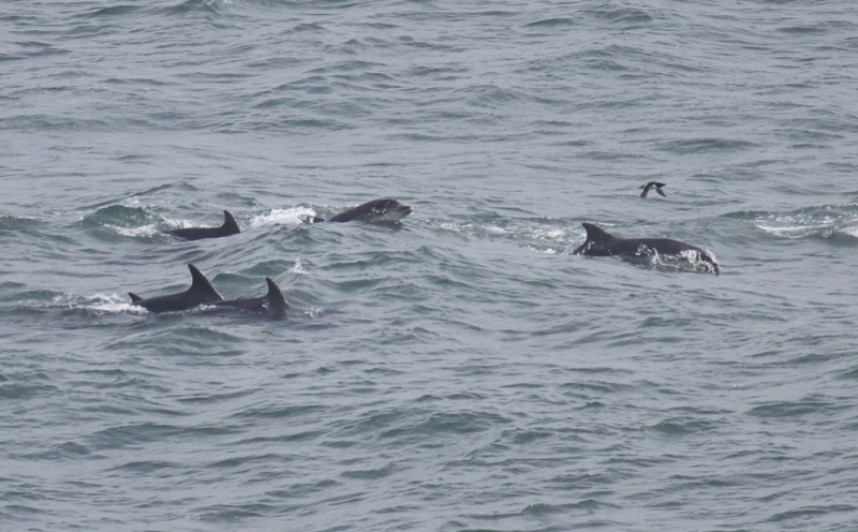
x=599 y=243
x=380 y=210
x=201 y=292
x=273 y=303
x=229 y=227
x=646 y=188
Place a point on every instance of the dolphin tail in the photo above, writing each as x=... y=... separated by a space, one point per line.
x=229 y=224
x=134 y=297
x=274 y=298
x=201 y=288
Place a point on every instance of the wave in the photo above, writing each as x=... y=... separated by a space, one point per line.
x=834 y=223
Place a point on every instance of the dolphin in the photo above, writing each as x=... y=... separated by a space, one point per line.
x=273 y=303
x=380 y=210
x=201 y=292
x=600 y=243
x=229 y=227
x=646 y=188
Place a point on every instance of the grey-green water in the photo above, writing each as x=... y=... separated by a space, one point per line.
x=462 y=370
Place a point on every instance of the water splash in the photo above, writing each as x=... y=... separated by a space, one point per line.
x=292 y=216
x=147 y=230
x=298 y=268
x=825 y=221
x=686 y=260
x=99 y=303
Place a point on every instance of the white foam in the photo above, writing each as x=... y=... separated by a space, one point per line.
x=145 y=230
x=102 y=303
x=556 y=234
x=549 y=234
x=851 y=230
x=687 y=259
x=298 y=269
x=292 y=216
x=549 y=251
x=313 y=313
x=113 y=303
x=791 y=231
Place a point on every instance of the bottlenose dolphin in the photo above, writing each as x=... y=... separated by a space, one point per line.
x=273 y=303
x=201 y=292
x=229 y=227
x=600 y=243
x=646 y=188
x=380 y=210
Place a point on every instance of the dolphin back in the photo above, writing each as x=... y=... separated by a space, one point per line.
x=380 y=210
x=275 y=302
x=600 y=243
x=597 y=234
x=229 y=227
x=201 y=292
x=596 y=238
x=272 y=303
x=201 y=289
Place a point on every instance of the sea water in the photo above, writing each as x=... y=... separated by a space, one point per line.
x=461 y=370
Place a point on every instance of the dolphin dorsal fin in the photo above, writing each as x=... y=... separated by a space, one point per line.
x=597 y=234
x=229 y=223
x=134 y=297
x=276 y=302
x=201 y=287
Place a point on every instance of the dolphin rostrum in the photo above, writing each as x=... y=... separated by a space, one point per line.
x=600 y=243
x=229 y=227
x=201 y=292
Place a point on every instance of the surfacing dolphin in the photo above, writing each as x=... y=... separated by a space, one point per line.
x=380 y=210
x=646 y=188
x=228 y=228
x=600 y=243
x=273 y=303
x=201 y=292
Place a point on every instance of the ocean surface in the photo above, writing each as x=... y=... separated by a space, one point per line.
x=463 y=369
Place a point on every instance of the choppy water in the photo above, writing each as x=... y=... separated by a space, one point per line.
x=462 y=370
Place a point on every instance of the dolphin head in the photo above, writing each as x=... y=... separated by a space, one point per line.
x=380 y=210
x=389 y=210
